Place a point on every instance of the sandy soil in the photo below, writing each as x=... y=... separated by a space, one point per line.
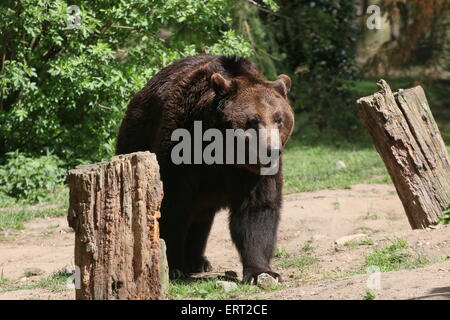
x=315 y=218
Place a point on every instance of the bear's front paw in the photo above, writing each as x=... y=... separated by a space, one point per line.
x=251 y=276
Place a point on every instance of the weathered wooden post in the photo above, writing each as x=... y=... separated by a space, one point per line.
x=114 y=209
x=407 y=138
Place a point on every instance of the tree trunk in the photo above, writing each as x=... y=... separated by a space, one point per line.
x=114 y=209
x=407 y=138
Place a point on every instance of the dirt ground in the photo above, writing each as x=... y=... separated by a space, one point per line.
x=315 y=219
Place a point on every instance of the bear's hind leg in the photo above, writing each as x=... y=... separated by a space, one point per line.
x=174 y=224
x=195 y=260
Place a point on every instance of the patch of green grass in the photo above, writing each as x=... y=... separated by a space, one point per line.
x=369 y=295
x=301 y=263
x=3 y=280
x=310 y=165
x=308 y=168
x=356 y=243
x=307 y=247
x=207 y=289
x=394 y=257
x=15 y=219
x=56 y=282
x=391 y=257
x=14 y=215
x=281 y=253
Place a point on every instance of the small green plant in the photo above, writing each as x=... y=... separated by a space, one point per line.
x=445 y=217
x=281 y=253
x=3 y=280
x=369 y=295
x=336 y=205
x=28 y=274
x=307 y=247
x=29 y=179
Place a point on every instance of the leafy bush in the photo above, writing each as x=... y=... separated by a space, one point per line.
x=66 y=88
x=29 y=179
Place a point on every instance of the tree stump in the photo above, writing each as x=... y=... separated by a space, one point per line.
x=407 y=138
x=114 y=209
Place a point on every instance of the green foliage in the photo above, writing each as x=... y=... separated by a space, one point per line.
x=445 y=218
x=33 y=179
x=314 y=43
x=369 y=295
x=65 y=89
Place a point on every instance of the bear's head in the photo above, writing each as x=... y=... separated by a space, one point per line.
x=254 y=103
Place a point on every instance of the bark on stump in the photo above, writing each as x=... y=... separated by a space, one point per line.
x=114 y=209
x=407 y=138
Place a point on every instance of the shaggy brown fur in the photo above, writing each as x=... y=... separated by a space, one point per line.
x=223 y=92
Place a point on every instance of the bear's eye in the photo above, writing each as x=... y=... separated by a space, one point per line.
x=253 y=122
x=279 y=120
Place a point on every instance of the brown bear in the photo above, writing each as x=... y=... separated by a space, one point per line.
x=223 y=92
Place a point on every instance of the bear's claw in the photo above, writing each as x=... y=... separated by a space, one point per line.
x=201 y=265
x=252 y=277
x=176 y=274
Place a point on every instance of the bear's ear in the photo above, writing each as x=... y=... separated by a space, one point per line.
x=282 y=84
x=220 y=85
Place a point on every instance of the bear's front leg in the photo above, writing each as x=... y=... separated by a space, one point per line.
x=253 y=229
